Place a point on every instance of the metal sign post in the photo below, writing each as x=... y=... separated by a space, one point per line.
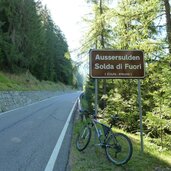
x=140 y=110
x=96 y=96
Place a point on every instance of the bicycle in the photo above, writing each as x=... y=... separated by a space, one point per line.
x=118 y=146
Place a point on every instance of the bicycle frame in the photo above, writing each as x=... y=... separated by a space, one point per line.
x=94 y=123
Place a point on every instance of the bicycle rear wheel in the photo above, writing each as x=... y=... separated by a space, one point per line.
x=119 y=148
x=83 y=138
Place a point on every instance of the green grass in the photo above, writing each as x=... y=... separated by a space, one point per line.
x=94 y=158
x=27 y=82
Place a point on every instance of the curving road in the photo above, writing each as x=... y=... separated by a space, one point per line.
x=31 y=138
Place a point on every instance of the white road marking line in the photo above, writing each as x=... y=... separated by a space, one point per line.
x=51 y=163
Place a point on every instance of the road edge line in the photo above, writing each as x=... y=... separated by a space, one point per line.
x=51 y=163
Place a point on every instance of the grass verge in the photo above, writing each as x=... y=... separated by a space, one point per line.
x=27 y=82
x=94 y=158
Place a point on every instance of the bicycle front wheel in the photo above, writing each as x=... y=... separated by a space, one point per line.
x=119 y=148
x=83 y=138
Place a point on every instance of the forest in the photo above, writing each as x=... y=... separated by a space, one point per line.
x=31 y=42
x=134 y=25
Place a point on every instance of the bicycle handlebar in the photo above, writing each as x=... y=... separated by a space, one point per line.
x=114 y=118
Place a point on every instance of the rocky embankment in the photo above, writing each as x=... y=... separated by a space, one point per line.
x=13 y=99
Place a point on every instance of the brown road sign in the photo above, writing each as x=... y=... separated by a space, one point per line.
x=116 y=64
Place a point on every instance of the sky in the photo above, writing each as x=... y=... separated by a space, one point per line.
x=67 y=14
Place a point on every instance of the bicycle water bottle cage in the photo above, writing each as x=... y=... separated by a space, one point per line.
x=106 y=130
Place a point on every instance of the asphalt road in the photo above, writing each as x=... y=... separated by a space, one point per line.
x=30 y=137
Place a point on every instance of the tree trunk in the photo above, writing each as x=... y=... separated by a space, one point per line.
x=103 y=46
x=168 y=23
